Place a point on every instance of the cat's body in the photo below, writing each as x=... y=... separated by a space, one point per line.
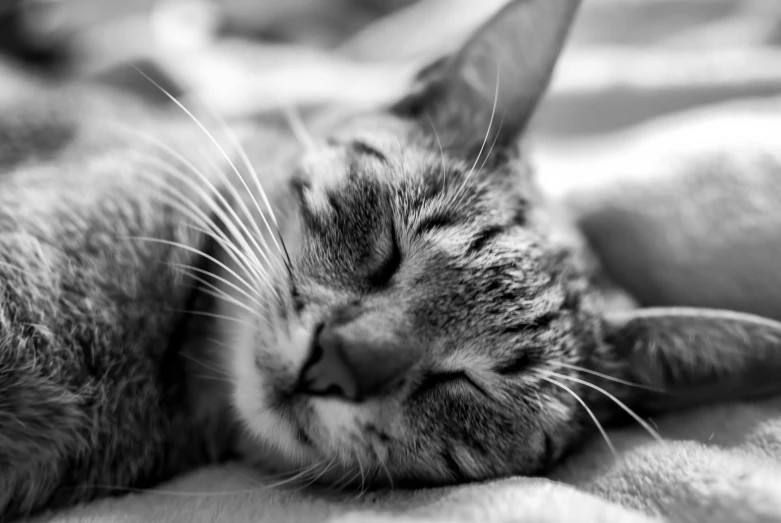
x=393 y=308
x=87 y=376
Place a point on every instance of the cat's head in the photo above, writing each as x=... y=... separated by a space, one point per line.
x=416 y=321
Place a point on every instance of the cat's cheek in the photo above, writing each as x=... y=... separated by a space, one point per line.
x=263 y=364
x=339 y=421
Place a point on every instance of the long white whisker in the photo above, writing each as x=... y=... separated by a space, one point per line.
x=219 y=294
x=324 y=471
x=297 y=126
x=482 y=165
x=219 y=317
x=184 y=205
x=233 y=223
x=461 y=194
x=250 y=260
x=299 y=475
x=184 y=269
x=259 y=274
x=610 y=378
x=230 y=223
x=254 y=175
x=490 y=125
x=590 y=412
x=618 y=402
x=344 y=479
x=441 y=151
x=225 y=375
x=247 y=163
x=220 y=148
x=363 y=475
x=387 y=473
x=194 y=251
x=261 y=248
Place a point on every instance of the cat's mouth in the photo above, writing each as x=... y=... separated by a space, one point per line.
x=325 y=446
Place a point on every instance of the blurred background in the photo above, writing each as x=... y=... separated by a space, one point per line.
x=628 y=59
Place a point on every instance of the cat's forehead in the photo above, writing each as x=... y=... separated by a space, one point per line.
x=372 y=152
x=378 y=128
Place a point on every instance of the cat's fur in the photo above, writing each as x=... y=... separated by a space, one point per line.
x=413 y=233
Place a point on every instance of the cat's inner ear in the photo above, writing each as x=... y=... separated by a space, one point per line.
x=486 y=92
x=688 y=357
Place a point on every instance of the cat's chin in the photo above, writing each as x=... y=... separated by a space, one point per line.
x=279 y=467
x=276 y=449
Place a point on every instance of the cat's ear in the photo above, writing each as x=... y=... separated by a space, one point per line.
x=487 y=91
x=688 y=356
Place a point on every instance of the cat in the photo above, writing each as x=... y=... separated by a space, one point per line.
x=394 y=306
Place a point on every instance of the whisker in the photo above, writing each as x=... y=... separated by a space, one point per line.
x=459 y=196
x=193 y=250
x=221 y=296
x=217 y=379
x=297 y=126
x=373 y=477
x=300 y=475
x=253 y=173
x=221 y=150
x=233 y=223
x=363 y=475
x=381 y=465
x=618 y=402
x=588 y=410
x=255 y=272
x=224 y=375
x=610 y=378
x=490 y=125
x=387 y=474
x=343 y=481
x=247 y=163
x=441 y=151
x=324 y=471
x=216 y=292
x=218 y=316
x=482 y=165
x=493 y=144
x=219 y=343
x=220 y=279
x=230 y=223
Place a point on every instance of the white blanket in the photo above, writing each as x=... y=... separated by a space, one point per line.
x=720 y=464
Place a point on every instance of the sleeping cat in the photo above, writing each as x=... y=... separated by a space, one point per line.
x=387 y=301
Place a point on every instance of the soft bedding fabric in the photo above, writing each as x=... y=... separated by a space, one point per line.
x=719 y=464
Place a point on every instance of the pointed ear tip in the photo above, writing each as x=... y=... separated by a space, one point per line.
x=455 y=91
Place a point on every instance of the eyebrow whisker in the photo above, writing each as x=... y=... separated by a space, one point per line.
x=364 y=148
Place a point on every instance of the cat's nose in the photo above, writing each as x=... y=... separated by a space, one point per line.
x=356 y=355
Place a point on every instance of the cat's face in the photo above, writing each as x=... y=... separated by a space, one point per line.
x=445 y=297
x=406 y=328
x=406 y=315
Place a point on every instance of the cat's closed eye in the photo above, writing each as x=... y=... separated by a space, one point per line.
x=434 y=381
x=514 y=365
x=383 y=274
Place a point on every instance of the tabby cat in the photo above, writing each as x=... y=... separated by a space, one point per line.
x=387 y=300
